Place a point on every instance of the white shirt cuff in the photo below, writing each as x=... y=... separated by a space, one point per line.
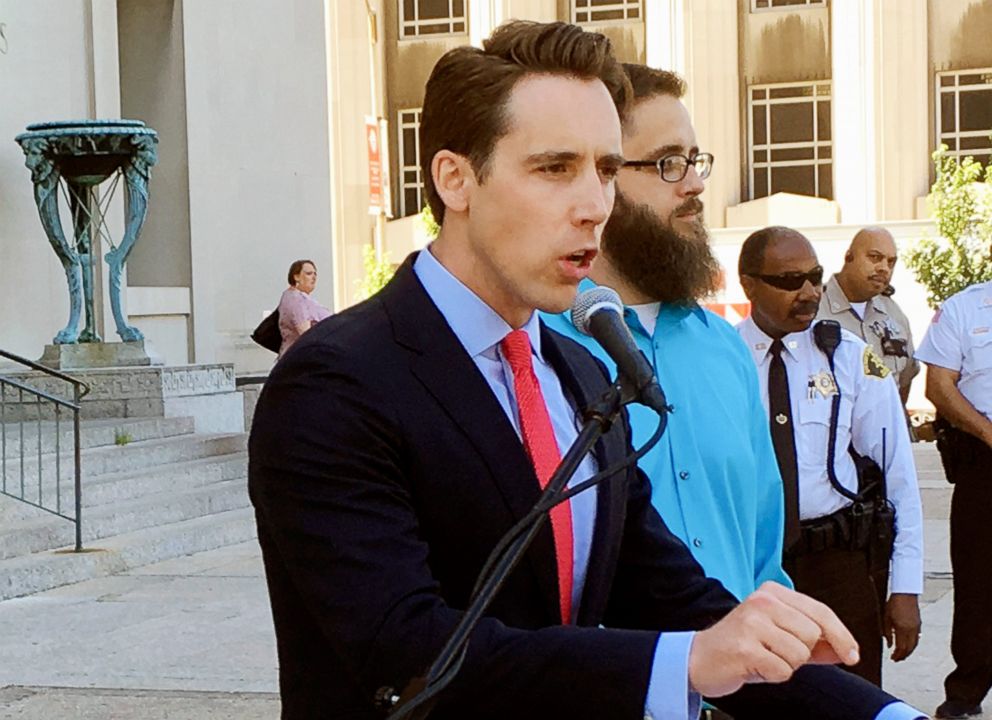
x=907 y=575
x=900 y=711
x=669 y=696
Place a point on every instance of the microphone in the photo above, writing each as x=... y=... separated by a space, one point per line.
x=599 y=312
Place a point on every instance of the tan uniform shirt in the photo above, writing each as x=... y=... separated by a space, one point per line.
x=884 y=327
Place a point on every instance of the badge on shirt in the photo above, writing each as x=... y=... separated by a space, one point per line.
x=822 y=383
x=980 y=330
x=873 y=365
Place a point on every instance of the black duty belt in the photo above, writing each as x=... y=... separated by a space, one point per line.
x=847 y=528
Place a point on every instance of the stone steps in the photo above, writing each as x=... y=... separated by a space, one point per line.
x=93 y=433
x=43 y=532
x=106 y=459
x=117 y=487
x=36 y=572
x=152 y=489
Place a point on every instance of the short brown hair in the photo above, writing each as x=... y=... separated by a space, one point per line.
x=296 y=268
x=646 y=82
x=465 y=101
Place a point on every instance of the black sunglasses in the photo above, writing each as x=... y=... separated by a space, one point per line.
x=792 y=281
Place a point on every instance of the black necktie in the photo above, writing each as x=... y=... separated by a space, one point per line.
x=780 y=416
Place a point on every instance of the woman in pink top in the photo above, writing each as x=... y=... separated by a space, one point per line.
x=298 y=312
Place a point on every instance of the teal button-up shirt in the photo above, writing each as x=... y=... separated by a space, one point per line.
x=714 y=475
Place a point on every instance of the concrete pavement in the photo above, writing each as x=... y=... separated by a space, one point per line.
x=184 y=638
x=192 y=637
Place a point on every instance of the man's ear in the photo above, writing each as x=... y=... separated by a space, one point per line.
x=848 y=256
x=453 y=179
x=747 y=284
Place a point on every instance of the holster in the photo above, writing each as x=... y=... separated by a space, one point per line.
x=958 y=449
x=861 y=514
x=947 y=440
x=867 y=524
x=883 y=536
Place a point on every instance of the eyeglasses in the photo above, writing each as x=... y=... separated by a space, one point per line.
x=792 y=281
x=672 y=168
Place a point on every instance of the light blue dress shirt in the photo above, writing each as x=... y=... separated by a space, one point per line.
x=714 y=476
x=480 y=329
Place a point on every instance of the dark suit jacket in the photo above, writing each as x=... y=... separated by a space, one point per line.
x=383 y=471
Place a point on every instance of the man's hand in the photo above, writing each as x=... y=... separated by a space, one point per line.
x=766 y=639
x=902 y=622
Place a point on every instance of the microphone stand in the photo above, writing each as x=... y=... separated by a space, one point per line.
x=418 y=698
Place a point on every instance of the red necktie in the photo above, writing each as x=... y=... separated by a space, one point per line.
x=539 y=440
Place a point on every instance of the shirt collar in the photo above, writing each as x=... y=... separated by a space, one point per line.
x=835 y=295
x=666 y=312
x=476 y=325
x=839 y=302
x=760 y=343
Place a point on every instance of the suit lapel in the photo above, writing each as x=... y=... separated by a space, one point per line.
x=441 y=364
x=584 y=383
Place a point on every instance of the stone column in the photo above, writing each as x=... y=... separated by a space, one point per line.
x=105 y=102
x=484 y=16
x=854 y=67
x=665 y=42
x=698 y=40
x=903 y=110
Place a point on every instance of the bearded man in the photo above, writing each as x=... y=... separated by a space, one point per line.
x=714 y=476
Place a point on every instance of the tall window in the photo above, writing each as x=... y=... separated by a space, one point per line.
x=964 y=113
x=589 y=11
x=789 y=139
x=411 y=180
x=775 y=4
x=432 y=17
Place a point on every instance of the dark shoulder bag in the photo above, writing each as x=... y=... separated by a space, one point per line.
x=267 y=334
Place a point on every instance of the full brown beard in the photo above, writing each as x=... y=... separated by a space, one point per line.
x=657 y=260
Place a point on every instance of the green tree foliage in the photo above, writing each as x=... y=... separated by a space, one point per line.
x=378 y=272
x=430 y=224
x=961 y=205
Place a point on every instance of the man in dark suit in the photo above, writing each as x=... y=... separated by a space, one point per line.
x=397 y=441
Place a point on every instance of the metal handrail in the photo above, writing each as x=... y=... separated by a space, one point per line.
x=41 y=393
x=79 y=390
x=48 y=371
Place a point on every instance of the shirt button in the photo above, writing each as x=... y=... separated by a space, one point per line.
x=684 y=474
x=697 y=542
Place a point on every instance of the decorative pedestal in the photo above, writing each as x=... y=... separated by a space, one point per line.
x=99 y=355
x=82 y=154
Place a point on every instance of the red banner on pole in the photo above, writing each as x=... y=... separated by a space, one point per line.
x=373 y=141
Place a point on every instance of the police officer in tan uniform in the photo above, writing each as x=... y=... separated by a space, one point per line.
x=855 y=298
x=958 y=352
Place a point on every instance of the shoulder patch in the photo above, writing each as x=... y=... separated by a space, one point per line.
x=873 y=365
